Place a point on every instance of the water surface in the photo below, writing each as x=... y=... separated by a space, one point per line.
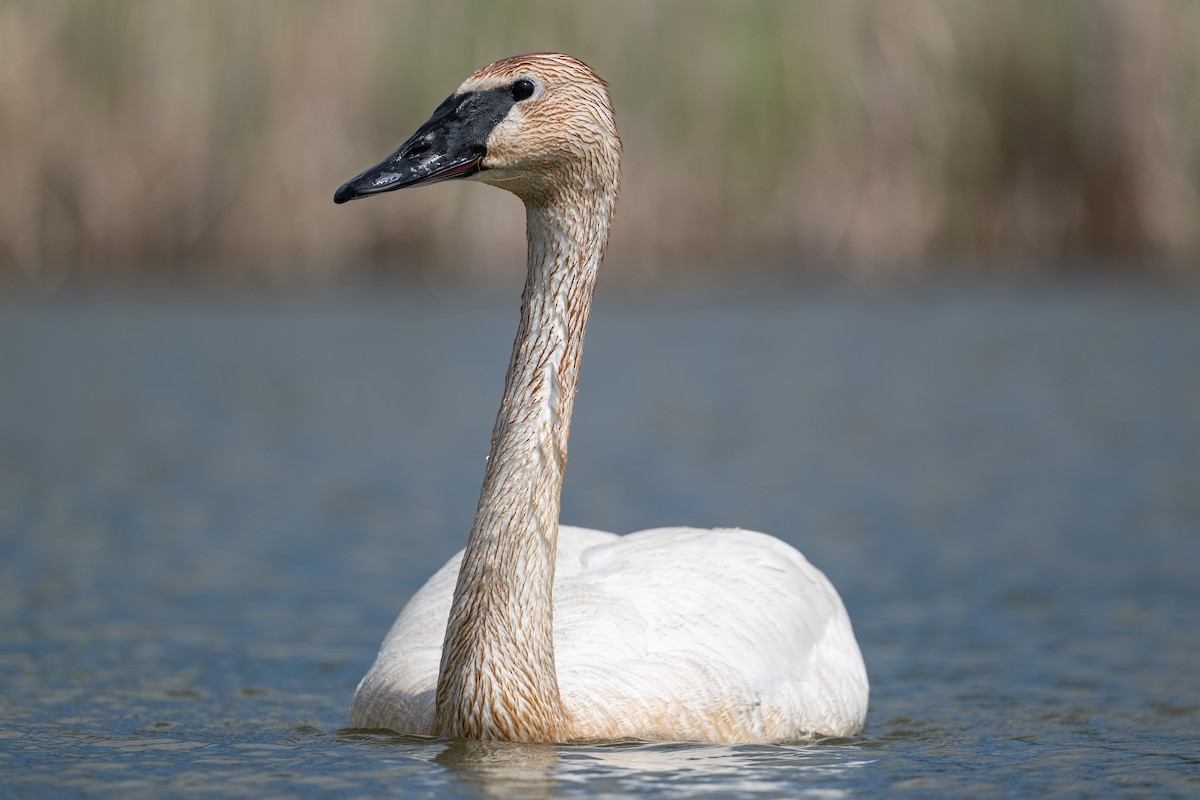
x=211 y=510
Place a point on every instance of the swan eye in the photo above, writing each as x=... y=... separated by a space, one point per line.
x=522 y=89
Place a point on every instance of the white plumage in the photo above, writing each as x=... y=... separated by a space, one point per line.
x=667 y=634
x=536 y=632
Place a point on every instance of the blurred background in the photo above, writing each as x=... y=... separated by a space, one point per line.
x=151 y=141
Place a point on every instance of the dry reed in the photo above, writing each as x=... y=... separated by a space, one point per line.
x=159 y=138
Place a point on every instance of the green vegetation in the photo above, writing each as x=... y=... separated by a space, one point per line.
x=147 y=138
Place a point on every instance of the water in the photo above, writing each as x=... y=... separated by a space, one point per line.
x=210 y=512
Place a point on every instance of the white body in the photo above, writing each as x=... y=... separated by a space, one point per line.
x=675 y=633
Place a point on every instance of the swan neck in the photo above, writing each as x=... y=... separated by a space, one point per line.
x=498 y=678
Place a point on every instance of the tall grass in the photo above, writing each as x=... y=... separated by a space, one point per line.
x=151 y=138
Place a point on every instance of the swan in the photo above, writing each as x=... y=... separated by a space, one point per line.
x=541 y=632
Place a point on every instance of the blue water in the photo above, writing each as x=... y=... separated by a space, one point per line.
x=211 y=509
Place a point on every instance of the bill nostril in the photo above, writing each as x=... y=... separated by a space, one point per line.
x=417 y=149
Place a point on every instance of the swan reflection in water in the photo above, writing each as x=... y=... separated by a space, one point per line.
x=514 y=769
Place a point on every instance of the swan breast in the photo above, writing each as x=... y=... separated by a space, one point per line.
x=674 y=633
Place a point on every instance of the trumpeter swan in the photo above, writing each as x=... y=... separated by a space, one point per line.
x=538 y=632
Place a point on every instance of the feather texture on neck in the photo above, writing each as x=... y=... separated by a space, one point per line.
x=497 y=677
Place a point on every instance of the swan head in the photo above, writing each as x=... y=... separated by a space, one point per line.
x=536 y=125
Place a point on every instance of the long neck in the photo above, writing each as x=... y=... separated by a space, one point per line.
x=497 y=678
